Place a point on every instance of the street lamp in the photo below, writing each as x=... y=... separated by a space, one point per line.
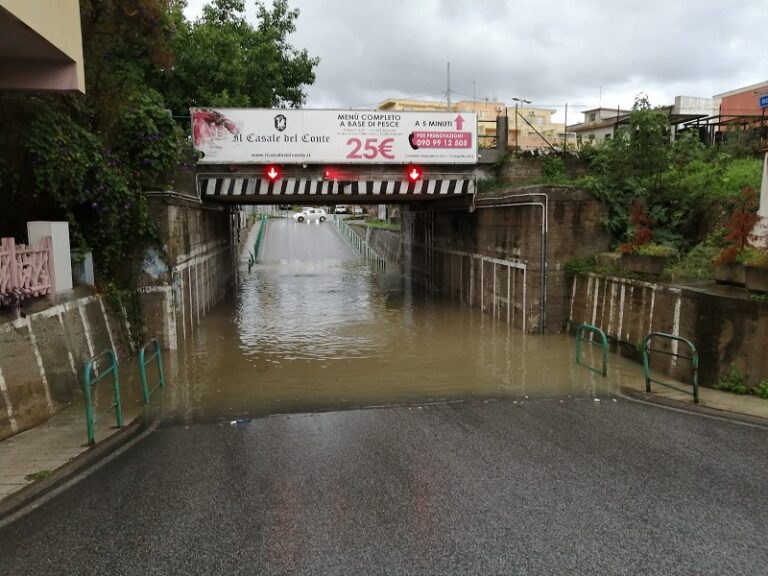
x=517 y=101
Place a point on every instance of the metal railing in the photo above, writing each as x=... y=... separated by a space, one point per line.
x=89 y=383
x=645 y=347
x=144 y=361
x=359 y=244
x=589 y=328
x=257 y=243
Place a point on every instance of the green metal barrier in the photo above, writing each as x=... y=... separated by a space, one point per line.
x=645 y=346
x=144 y=362
x=88 y=385
x=603 y=342
x=359 y=244
x=254 y=255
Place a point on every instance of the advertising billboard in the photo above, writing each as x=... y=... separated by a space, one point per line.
x=276 y=136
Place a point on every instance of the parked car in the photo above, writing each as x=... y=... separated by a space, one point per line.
x=357 y=210
x=285 y=206
x=341 y=209
x=310 y=214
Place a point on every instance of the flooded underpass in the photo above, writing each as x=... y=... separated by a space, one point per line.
x=313 y=328
x=549 y=481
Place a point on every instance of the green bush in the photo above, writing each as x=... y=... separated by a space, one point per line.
x=698 y=263
x=762 y=390
x=579 y=266
x=553 y=169
x=653 y=249
x=733 y=381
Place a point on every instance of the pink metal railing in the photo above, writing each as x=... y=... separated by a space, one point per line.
x=25 y=271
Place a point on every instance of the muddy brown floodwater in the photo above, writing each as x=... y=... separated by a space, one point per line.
x=313 y=328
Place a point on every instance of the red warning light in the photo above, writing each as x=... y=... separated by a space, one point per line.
x=335 y=174
x=273 y=173
x=414 y=173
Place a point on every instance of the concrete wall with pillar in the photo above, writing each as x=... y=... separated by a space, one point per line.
x=506 y=255
x=728 y=328
x=197 y=268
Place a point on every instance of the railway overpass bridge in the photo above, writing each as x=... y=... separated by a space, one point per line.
x=271 y=156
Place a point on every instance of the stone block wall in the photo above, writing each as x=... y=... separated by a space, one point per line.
x=527 y=168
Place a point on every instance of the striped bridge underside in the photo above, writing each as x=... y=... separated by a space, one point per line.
x=212 y=187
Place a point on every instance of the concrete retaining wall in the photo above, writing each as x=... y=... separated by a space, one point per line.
x=43 y=355
x=386 y=243
x=197 y=270
x=726 y=326
x=490 y=258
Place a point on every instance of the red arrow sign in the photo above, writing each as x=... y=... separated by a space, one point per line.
x=459 y=122
x=272 y=173
x=415 y=174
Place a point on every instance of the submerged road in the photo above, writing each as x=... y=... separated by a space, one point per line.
x=579 y=487
x=544 y=471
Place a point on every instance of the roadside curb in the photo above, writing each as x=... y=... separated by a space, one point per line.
x=27 y=495
x=642 y=396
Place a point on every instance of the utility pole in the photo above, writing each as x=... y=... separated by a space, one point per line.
x=517 y=139
x=565 y=129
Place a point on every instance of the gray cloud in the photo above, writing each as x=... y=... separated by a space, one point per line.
x=551 y=51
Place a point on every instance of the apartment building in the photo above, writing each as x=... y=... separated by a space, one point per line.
x=599 y=125
x=533 y=130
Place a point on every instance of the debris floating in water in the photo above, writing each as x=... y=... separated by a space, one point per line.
x=240 y=421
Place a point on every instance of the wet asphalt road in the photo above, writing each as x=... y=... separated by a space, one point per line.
x=545 y=487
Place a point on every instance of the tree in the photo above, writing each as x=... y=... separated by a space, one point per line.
x=222 y=60
x=88 y=158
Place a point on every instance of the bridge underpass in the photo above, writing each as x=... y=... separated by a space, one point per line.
x=313 y=186
x=495 y=453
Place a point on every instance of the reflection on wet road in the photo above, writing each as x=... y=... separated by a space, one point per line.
x=314 y=328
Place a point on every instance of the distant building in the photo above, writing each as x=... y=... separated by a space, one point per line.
x=406 y=105
x=534 y=129
x=741 y=110
x=41 y=45
x=742 y=101
x=598 y=126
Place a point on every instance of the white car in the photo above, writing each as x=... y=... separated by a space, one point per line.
x=310 y=214
x=341 y=209
x=357 y=209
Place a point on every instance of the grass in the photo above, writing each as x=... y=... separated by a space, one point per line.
x=735 y=381
x=383 y=224
x=39 y=475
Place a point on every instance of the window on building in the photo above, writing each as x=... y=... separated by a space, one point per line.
x=591 y=137
x=607 y=136
x=593 y=116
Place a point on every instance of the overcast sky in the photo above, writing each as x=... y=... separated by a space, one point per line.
x=549 y=51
